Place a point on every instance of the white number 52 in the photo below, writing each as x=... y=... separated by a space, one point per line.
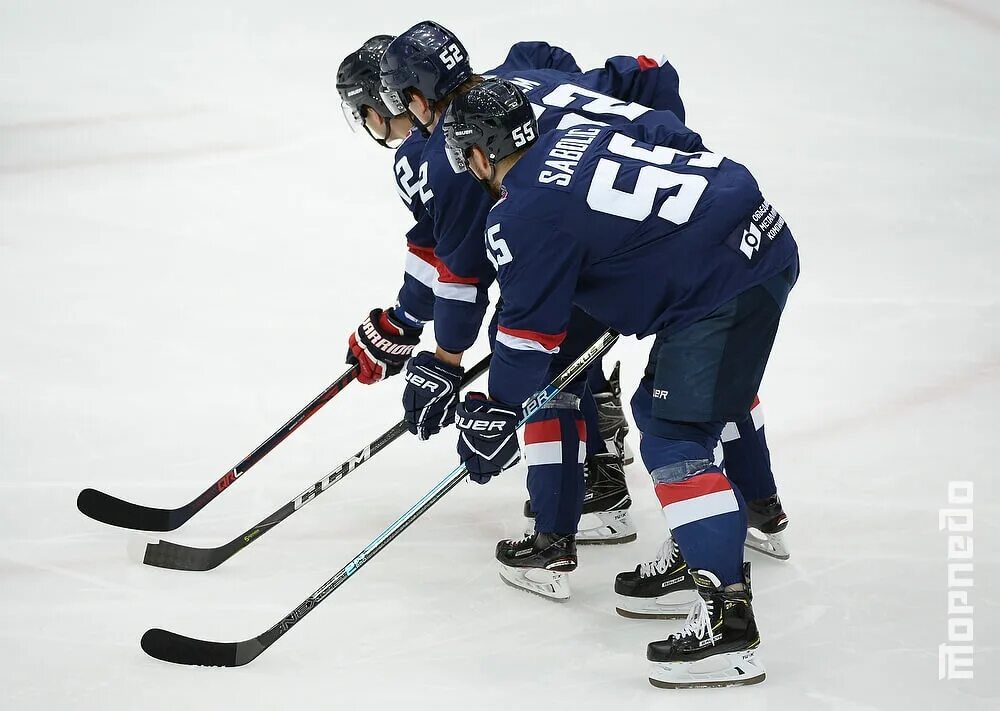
x=451 y=56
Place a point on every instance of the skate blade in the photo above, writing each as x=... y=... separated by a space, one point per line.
x=544 y=583
x=770 y=544
x=633 y=615
x=732 y=669
x=674 y=606
x=606 y=528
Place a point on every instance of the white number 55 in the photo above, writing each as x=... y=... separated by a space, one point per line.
x=497 y=250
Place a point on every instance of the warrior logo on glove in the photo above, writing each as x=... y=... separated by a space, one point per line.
x=381 y=345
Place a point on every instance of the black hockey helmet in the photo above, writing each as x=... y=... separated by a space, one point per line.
x=359 y=85
x=428 y=58
x=493 y=115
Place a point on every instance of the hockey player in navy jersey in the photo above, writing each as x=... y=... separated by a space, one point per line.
x=384 y=341
x=421 y=70
x=647 y=230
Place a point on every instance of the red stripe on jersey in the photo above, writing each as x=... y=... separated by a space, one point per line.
x=445 y=275
x=708 y=482
x=543 y=431
x=756 y=401
x=646 y=63
x=550 y=431
x=546 y=340
x=425 y=253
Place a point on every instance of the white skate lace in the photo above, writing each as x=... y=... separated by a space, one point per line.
x=698 y=623
x=522 y=540
x=665 y=557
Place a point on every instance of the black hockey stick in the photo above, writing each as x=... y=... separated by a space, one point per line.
x=164 y=554
x=117 y=512
x=171 y=647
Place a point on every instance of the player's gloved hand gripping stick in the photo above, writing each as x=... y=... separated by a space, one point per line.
x=171 y=647
x=381 y=345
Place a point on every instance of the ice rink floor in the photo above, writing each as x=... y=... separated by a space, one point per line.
x=188 y=232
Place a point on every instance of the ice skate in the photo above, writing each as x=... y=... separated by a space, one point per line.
x=538 y=563
x=717 y=646
x=659 y=589
x=605 y=518
x=767 y=521
x=611 y=418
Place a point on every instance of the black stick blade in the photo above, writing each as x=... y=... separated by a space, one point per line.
x=179 y=649
x=116 y=512
x=164 y=554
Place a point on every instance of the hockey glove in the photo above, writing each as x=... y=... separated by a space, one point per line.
x=431 y=394
x=488 y=441
x=380 y=346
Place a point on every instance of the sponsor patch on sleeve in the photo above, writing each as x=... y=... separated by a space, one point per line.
x=750 y=238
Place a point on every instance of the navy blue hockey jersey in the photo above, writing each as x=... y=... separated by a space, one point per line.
x=623 y=90
x=416 y=296
x=639 y=225
x=420 y=278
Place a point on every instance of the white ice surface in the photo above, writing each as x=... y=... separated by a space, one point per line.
x=188 y=231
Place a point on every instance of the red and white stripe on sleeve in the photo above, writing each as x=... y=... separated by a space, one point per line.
x=424 y=266
x=524 y=340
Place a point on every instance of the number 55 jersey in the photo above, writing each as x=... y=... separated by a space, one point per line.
x=624 y=89
x=640 y=225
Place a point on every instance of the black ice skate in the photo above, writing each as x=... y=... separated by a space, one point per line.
x=611 y=419
x=659 y=589
x=606 y=503
x=538 y=563
x=767 y=521
x=717 y=646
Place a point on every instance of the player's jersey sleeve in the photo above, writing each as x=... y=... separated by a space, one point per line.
x=416 y=295
x=538 y=55
x=458 y=207
x=652 y=83
x=538 y=268
x=663 y=128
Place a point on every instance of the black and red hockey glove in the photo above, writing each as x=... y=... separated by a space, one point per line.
x=381 y=345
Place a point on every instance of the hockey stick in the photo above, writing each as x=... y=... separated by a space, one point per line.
x=117 y=512
x=171 y=647
x=164 y=554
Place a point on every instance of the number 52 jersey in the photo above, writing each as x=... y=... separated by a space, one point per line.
x=639 y=224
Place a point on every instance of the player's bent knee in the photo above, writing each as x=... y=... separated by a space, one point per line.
x=679 y=471
x=563 y=401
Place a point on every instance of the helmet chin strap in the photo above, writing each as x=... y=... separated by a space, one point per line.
x=487 y=183
x=384 y=141
x=424 y=128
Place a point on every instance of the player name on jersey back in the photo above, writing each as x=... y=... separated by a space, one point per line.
x=565 y=155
